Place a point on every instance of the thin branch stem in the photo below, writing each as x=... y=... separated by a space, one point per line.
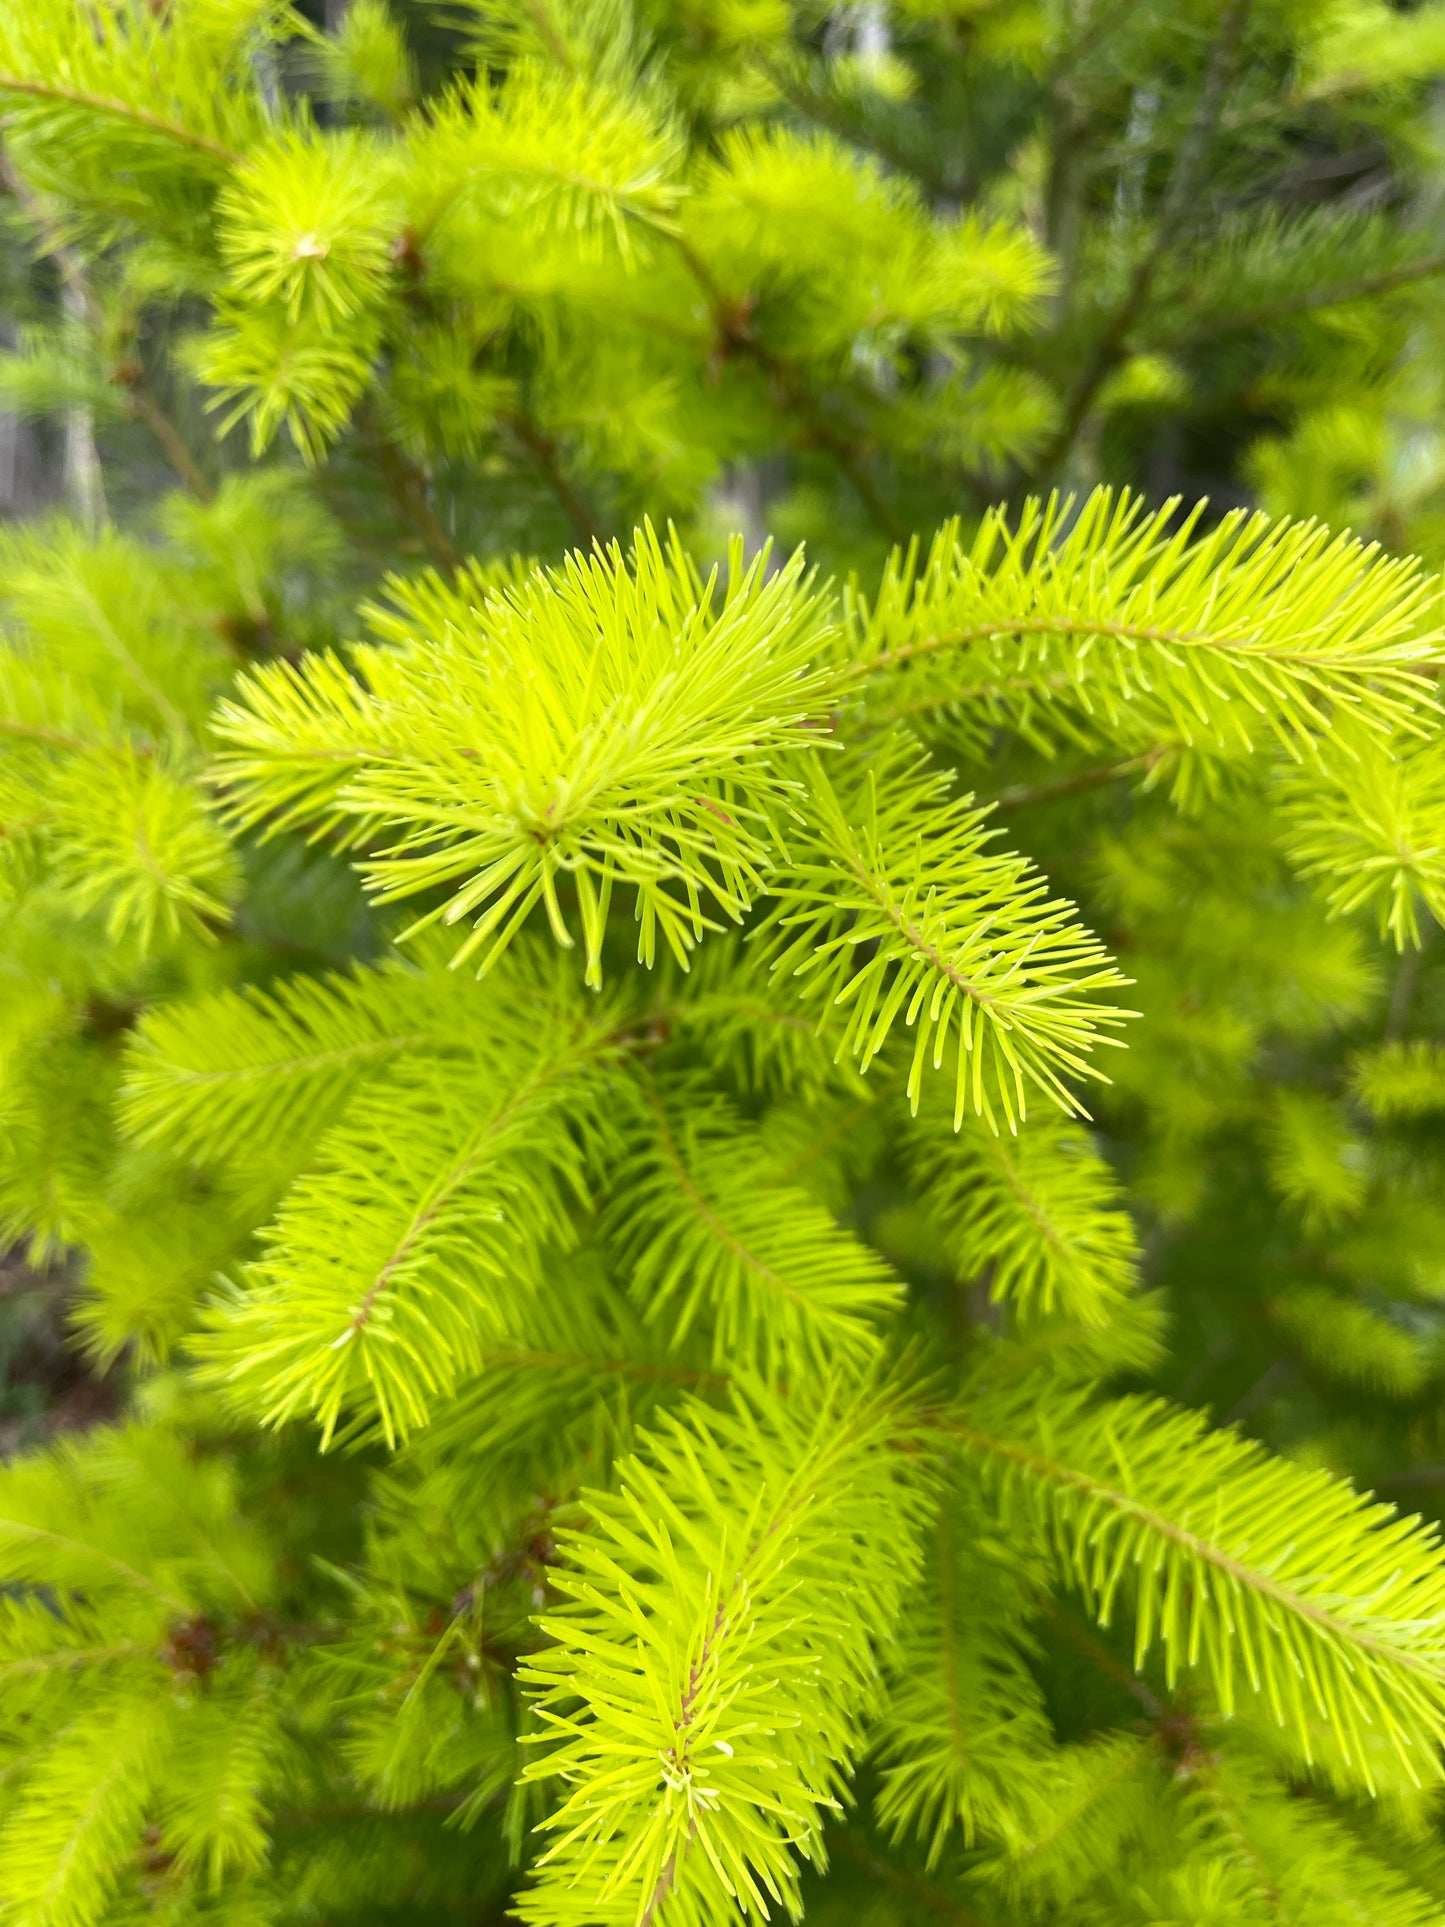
x=1096 y=777
x=147 y=410
x=121 y=110
x=1278 y=1372
x=1047 y=625
x=1173 y=213
x=142 y=402
x=541 y=18
x=406 y=484
x=704 y=1211
x=850 y=462
x=731 y=320
x=608 y=1367
x=543 y=450
x=933 y=1899
x=42 y=733
x=661 y=1891
x=1407 y=982
x=1309 y=301
x=733 y=1598
x=816 y=106
x=1411 y=1478
x=1098 y=1655
x=328 y=1814
x=443 y=1193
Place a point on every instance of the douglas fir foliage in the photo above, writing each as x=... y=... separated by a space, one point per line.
x=747 y=1211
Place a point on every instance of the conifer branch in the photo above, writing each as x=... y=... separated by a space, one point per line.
x=64 y=1658
x=1237 y=1561
x=965 y=1720
x=125 y=110
x=707 y=1233
x=640 y=810
x=1038 y=1215
x=895 y=909
x=706 y=1672
x=458 y=1170
x=619 y=1293
x=217 y=1077
x=1278 y=610
x=25 y=1535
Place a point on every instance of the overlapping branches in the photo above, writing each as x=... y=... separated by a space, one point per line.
x=612 y=724
x=1145 y=630
x=1280 y=1583
x=416 y=1235
x=893 y=908
x=1037 y=1215
x=711 y=1238
x=723 y=1613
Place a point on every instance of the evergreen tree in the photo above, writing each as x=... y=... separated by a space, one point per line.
x=763 y=1213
